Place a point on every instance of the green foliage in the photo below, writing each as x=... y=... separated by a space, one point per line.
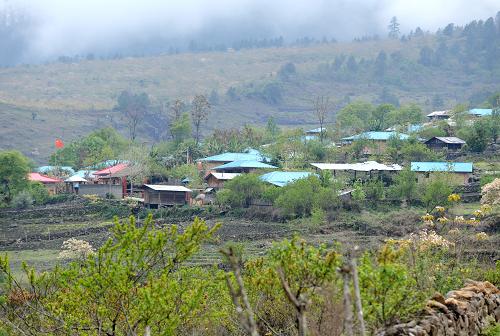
x=358 y=194
x=14 y=169
x=98 y=146
x=180 y=129
x=299 y=198
x=405 y=185
x=387 y=288
x=186 y=171
x=355 y=116
x=38 y=192
x=136 y=279
x=242 y=190
x=374 y=190
x=406 y=115
x=477 y=136
x=435 y=190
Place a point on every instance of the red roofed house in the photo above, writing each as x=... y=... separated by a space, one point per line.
x=50 y=183
x=111 y=176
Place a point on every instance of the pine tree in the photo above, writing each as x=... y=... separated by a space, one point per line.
x=394 y=28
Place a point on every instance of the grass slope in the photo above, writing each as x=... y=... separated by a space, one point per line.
x=72 y=99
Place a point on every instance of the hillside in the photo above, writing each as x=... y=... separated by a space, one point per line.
x=39 y=103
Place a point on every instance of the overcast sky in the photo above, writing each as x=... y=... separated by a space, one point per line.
x=78 y=26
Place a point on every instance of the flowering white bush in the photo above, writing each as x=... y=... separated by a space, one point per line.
x=76 y=249
x=428 y=239
x=491 y=193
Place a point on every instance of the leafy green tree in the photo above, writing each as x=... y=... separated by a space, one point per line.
x=406 y=115
x=181 y=128
x=405 y=185
x=243 y=190
x=355 y=116
x=39 y=192
x=272 y=129
x=136 y=280
x=435 y=190
x=477 y=136
x=379 y=120
x=14 y=169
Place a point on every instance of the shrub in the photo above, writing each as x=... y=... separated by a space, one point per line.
x=23 y=200
x=491 y=193
x=38 y=192
x=242 y=190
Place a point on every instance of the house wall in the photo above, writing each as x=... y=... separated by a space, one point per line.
x=101 y=190
x=457 y=178
x=214 y=182
x=154 y=197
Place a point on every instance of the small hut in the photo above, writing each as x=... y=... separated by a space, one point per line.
x=158 y=195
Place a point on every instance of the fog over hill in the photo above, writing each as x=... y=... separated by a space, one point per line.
x=34 y=31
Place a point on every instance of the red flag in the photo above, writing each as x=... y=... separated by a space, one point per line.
x=59 y=143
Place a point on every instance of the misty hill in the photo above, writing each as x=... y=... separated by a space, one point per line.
x=68 y=99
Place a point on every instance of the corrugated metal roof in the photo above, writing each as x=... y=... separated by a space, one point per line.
x=48 y=169
x=42 y=178
x=222 y=176
x=162 y=187
x=316 y=130
x=415 y=128
x=373 y=135
x=111 y=170
x=85 y=173
x=282 y=178
x=481 y=112
x=450 y=140
x=439 y=113
x=244 y=164
x=362 y=166
x=456 y=167
x=230 y=157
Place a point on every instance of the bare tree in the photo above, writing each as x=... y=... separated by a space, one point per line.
x=199 y=113
x=321 y=106
x=134 y=108
x=177 y=108
x=345 y=270
x=239 y=295
x=300 y=303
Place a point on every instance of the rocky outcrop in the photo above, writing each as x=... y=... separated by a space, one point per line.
x=462 y=312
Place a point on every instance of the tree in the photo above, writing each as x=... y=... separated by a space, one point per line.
x=436 y=189
x=405 y=185
x=181 y=128
x=321 y=106
x=426 y=56
x=352 y=66
x=14 y=169
x=393 y=28
x=199 y=113
x=355 y=116
x=380 y=116
x=406 y=115
x=242 y=190
x=134 y=108
x=272 y=129
x=477 y=136
x=177 y=108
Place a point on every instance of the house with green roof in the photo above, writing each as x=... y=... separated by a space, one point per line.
x=282 y=178
x=460 y=171
x=243 y=166
x=249 y=154
x=376 y=140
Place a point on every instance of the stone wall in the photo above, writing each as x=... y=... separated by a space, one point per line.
x=462 y=312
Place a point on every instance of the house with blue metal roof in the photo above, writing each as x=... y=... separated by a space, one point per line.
x=377 y=140
x=461 y=170
x=243 y=166
x=481 y=112
x=57 y=170
x=282 y=178
x=216 y=160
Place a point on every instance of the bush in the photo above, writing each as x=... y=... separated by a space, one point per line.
x=38 y=192
x=241 y=191
x=23 y=200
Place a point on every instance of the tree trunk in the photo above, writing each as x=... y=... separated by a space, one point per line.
x=357 y=297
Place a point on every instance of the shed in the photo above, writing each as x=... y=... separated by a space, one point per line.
x=217 y=180
x=245 y=166
x=449 y=143
x=158 y=195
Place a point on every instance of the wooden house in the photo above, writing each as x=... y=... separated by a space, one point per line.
x=450 y=144
x=158 y=195
x=217 y=180
x=439 y=115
